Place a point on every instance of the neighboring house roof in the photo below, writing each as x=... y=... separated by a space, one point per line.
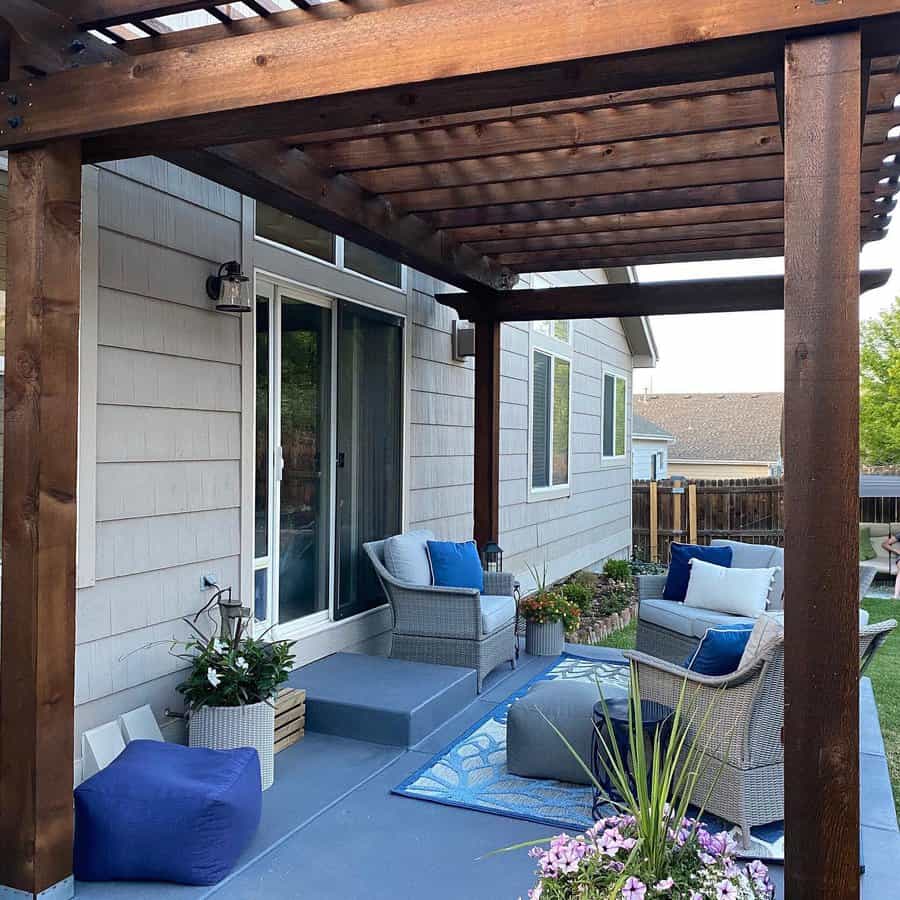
x=644 y=428
x=717 y=427
x=871 y=485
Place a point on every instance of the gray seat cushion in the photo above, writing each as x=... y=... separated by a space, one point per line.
x=406 y=557
x=496 y=611
x=687 y=620
x=534 y=749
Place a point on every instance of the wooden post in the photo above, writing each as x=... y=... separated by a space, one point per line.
x=654 y=522
x=692 y=513
x=821 y=402
x=37 y=688
x=487 y=432
x=676 y=509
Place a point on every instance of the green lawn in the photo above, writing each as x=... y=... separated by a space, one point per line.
x=884 y=672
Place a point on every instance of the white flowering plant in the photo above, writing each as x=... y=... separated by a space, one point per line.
x=234 y=671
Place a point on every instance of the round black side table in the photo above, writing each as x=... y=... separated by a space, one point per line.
x=655 y=716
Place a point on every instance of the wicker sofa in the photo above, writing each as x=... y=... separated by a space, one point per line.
x=450 y=626
x=670 y=630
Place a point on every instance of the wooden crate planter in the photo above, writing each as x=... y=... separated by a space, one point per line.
x=290 y=717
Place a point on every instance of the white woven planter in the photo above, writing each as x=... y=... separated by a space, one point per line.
x=228 y=727
x=544 y=639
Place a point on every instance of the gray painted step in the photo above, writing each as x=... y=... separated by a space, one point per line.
x=384 y=701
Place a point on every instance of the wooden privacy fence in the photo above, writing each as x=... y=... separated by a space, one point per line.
x=746 y=509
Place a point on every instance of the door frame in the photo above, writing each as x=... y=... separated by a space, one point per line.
x=317 y=622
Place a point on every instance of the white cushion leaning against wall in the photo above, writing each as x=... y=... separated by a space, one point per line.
x=740 y=592
x=406 y=557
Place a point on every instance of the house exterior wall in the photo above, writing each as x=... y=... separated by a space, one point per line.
x=694 y=470
x=642 y=454
x=169 y=384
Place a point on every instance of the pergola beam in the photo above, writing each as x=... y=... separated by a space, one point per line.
x=265 y=82
x=617 y=301
x=286 y=179
x=42 y=41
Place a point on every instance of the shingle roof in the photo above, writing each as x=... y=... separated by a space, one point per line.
x=641 y=427
x=734 y=427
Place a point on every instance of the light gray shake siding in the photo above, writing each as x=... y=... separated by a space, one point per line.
x=167 y=441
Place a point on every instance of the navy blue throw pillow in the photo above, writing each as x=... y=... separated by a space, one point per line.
x=720 y=650
x=456 y=565
x=680 y=566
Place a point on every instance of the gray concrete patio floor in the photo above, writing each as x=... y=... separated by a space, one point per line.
x=331 y=829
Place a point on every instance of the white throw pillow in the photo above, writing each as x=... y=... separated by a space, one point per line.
x=406 y=557
x=740 y=592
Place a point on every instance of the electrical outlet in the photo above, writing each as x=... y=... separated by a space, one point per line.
x=208 y=581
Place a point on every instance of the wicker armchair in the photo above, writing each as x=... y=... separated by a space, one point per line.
x=742 y=739
x=444 y=625
x=743 y=778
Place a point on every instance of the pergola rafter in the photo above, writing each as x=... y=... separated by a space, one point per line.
x=473 y=141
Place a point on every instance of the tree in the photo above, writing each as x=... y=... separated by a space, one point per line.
x=879 y=409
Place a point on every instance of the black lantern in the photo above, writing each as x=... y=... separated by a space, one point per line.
x=229 y=288
x=492 y=557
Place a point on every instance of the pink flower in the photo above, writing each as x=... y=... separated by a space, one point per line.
x=665 y=885
x=757 y=871
x=535 y=892
x=725 y=890
x=634 y=889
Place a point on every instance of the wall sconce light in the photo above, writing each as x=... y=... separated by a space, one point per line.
x=229 y=288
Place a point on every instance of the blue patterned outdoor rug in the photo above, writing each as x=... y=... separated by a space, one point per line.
x=471 y=773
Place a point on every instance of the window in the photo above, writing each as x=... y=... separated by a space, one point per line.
x=282 y=228
x=561 y=329
x=614 y=415
x=374 y=265
x=289 y=231
x=550 y=403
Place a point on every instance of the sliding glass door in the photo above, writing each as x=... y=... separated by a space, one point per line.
x=328 y=463
x=370 y=452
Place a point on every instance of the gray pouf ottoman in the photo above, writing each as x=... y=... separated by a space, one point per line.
x=534 y=749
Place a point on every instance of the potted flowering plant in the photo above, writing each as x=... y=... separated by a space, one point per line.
x=649 y=848
x=230 y=692
x=549 y=616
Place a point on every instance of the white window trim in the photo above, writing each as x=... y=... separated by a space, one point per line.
x=337 y=263
x=554 y=348
x=621 y=457
x=567 y=342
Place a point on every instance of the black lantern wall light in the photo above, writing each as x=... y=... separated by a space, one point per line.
x=229 y=289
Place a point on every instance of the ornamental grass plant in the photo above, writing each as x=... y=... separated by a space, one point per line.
x=649 y=847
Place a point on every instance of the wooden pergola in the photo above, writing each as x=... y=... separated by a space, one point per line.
x=472 y=140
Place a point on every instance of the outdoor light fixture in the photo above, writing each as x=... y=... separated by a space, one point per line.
x=492 y=557
x=229 y=288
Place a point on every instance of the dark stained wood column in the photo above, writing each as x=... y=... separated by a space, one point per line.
x=487 y=432
x=821 y=404
x=37 y=686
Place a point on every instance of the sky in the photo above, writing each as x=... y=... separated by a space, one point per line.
x=730 y=352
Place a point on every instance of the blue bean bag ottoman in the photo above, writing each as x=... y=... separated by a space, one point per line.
x=164 y=812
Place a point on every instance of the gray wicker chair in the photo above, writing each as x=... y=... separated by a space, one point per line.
x=743 y=778
x=742 y=737
x=444 y=625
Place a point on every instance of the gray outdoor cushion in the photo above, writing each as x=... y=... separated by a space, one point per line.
x=497 y=610
x=758 y=556
x=406 y=557
x=690 y=621
x=534 y=749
